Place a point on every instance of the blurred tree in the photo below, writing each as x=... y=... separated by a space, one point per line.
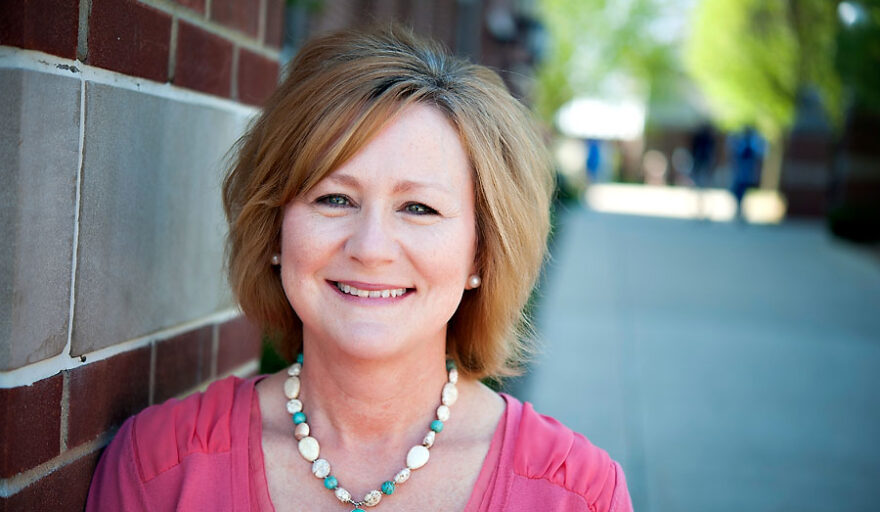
x=595 y=45
x=752 y=58
x=858 y=53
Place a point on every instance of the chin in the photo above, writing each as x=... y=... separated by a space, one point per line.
x=368 y=341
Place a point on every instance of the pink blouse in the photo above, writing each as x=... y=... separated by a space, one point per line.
x=204 y=453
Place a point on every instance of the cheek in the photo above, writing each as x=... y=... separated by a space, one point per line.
x=447 y=257
x=304 y=250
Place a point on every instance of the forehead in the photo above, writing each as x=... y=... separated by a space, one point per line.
x=417 y=146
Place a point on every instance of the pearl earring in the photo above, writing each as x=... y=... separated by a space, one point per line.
x=276 y=259
x=474 y=281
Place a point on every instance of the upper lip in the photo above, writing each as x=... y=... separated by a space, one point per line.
x=360 y=285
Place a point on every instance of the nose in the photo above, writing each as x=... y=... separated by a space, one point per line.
x=372 y=241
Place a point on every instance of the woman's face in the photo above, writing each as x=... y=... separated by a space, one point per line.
x=376 y=256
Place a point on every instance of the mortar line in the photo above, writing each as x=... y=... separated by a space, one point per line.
x=205 y=23
x=77 y=206
x=261 y=22
x=46 y=368
x=65 y=410
x=151 y=395
x=233 y=73
x=17 y=58
x=13 y=485
x=172 y=50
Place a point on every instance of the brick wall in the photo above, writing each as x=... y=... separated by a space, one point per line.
x=117 y=116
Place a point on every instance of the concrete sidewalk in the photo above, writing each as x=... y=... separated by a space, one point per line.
x=727 y=367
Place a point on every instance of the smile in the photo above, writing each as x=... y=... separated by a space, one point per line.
x=373 y=294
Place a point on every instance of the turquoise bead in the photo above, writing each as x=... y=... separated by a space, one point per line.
x=450 y=364
x=388 y=487
x=330 y=482
x=299 y=358
x=299 y=417
x=437 y=426
x=358 y=510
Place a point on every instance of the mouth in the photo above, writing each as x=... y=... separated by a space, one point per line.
x=381 y=293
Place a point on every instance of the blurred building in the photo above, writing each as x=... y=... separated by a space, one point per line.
x=502 y=34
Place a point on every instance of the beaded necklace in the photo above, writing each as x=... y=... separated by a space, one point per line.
x=310 y=450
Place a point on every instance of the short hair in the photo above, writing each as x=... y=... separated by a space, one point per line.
x=340 y=91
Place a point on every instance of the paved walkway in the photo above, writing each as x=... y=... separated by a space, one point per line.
x=726 y=367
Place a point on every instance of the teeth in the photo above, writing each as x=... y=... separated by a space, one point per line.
x=373 y=294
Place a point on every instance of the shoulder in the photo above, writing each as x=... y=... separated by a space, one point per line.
x=177 y=454
x=164 y=435
x=551 y=456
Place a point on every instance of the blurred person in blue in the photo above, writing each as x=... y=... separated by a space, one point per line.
x=748 y=154
x=703 y=155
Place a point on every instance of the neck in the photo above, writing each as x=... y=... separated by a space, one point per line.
x=356 y=401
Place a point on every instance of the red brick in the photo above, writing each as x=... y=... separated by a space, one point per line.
x=257 y=77
x=182 y=363
x=104 y=394
x=65 y=488
x=274 y=23
x=30 y=429
x=239 y=343
x=204 y=61
x=49 y=26
x=243 y=15
x=129 y=37
x=196 y=5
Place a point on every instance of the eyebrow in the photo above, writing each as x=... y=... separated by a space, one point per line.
x=400 y=186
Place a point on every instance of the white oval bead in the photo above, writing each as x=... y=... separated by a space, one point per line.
x=417 y=457
x=442 y=413
x=294 y=369
x=402 y=476
x=449 y=394
x=453 y=375
x=301 y=431
x=291 y=387
x=321 y=468
x=342 y=495
x=372 y=498
x=294 y=406
x=309 y=448
x=429 y=439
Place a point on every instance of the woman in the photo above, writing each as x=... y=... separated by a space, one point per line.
x=388 y=215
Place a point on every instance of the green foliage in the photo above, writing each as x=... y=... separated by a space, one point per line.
x=592 y=40
x=858 y=57
x=752 y=58
x=270 y=360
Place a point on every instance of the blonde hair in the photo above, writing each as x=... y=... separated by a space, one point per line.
x=340 y=91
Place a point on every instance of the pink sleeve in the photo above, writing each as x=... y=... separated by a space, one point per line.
x=117 y=484
x=620 y=500
x=178 y=456
x=548 y=451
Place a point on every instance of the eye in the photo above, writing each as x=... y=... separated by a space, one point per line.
x=334 y=200
x=419 y=209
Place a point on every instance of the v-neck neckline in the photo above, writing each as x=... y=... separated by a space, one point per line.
x=259 y=485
